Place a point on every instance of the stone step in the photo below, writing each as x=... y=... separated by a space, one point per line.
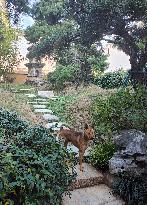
x=50 y=118
x=96 y=195
x=37 y=102
x=26 y=89
x=54 y=125
x=43 y=111
x=32 y=102
x=89 y=177
x=41 y=99
x=46 y=94
x=39 y=106
x=71 y=148
x=31 y=95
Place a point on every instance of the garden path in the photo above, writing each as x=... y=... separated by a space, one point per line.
x=89 y=187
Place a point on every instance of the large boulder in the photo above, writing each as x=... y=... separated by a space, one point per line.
x=131 y=155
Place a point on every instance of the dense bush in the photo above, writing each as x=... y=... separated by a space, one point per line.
x=101 y=153
x=111 y=80
x=126 y=109
x=132 y=189
x=63 y=75
x=11 y=123
x=34 y=168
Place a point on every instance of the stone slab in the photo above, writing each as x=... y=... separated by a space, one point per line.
x=39 y=106
x=46 y=94
x=54 y=125
x=72 y=148
x=50 y=117
x=43 y=111
x=37 y=102
x=86 y=178
x=96 y=195
x=41 y=99
x=26 y=89
x=32 y=102
x=42 y=102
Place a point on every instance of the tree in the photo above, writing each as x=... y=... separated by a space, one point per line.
x=56 y=33
x=7 y=47
x=16 y=7
x=123 y=22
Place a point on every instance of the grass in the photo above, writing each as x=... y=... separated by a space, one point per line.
x=72 y=106
x=17 y=101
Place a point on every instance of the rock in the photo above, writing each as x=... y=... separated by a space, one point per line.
x=50 y=117
x=132 y=153
x=46 y=94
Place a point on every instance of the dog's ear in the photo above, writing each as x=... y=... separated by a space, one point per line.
x=86 y=126
x=92 y=126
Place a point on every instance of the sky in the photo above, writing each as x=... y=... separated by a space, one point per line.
x=24 y=22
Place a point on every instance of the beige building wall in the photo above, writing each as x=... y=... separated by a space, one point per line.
x=50 y=66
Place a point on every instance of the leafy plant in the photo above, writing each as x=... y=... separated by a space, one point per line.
x=34 y=168
x=101 y=153
x=111 y=80
x=126 y=109
x=131 y=188
x=63 y=75
x=11 y=123
x=7 y=48
x=60 y=106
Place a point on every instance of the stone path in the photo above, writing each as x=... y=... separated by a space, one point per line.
x=89 y=187
x=96 y=195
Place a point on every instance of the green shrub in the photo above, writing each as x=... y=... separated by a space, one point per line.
x=62 y=75
x=111 y=80
x=1 y=133
x=126 y=109
x=34 y=168
x=11 y=123
x=60 y=106
x=101 y=153
x=132 y=189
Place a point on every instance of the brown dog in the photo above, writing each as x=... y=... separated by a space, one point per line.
x=78 y=139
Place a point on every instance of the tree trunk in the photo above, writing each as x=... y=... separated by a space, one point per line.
x=137 y=74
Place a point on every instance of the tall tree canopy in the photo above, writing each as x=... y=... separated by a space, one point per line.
x=16 y=7
x=125 y=20
x=60 y=24
x=8 y=37
x=58 y=34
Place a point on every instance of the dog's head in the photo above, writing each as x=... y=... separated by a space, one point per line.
x=89 y=132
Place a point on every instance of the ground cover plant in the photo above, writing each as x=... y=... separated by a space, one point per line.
x=34 y=168
x=131 y=189
x=72 y=106
x=12 y=99
x=101 y=153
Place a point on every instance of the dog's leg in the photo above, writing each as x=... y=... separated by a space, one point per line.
x=65 y=143
x=81 y=154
